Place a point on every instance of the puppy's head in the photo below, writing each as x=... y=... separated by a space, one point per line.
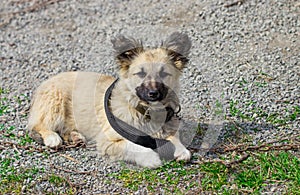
x=150 y=74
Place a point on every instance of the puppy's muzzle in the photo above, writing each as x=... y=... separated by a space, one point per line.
x=152 y=91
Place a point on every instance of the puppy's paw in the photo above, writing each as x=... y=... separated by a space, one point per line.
x=182 y=154
x=53 y=140
x=149 y=159
x=77 y=137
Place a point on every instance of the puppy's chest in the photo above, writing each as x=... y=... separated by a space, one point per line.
x=151 y=122
x=159 y=129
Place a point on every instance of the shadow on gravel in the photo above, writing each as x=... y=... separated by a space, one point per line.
x=212 y=137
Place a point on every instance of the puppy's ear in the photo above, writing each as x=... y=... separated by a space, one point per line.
x=178 y=46
x=126 y=50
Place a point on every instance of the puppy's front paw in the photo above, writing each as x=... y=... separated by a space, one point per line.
x=53 y=140
x=182 y=154
x=149 y=159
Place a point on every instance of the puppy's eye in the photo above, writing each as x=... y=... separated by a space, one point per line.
x=163 y=74
x=141 y=74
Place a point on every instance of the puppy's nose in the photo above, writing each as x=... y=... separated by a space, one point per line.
x=153 y=94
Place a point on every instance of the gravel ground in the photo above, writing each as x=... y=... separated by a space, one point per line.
x=244 y=54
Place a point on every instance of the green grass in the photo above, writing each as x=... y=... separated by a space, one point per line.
x=214 y=176
x=157 y=179
x=218 y=109
x=234 y=110
x=12 y=174
x=57 y=180
x=252 y=175
x=268 y=168
x=26 y=139
x=4 y=106
x=12 y=179
x=7 y=132
x=60 y=181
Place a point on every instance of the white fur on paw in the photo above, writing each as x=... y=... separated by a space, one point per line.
x=148 y=159
x=182 y=154
x=53 y=140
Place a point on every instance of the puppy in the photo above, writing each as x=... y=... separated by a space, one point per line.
x=70 y=107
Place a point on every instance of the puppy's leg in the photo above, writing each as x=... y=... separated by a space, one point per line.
x=125 y=150
x=140 y=155
x=181 y=153
x=48 y=115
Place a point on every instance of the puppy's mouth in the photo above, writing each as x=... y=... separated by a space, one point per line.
x=152 y=91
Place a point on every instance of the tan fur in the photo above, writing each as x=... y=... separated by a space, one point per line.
x=69 y=107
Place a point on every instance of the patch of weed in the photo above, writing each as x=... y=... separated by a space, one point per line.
x=295 y=113
x=60 y=181
x=251 y=175
x=55 y=179
x=218 y=110
x=166 y=177
x=12 y=179
x=25 y=139
x=269 y=167
x=215 y=176
x=3 y=101
x=279 y=119
x=261 y=84
x=235 y=111
x=8 y=132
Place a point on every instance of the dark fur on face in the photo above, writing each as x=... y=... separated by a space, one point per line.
x=152 y=91
x=178 y=46
x=126 y=49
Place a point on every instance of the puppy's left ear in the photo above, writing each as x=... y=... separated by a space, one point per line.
x=178 y=46
x=126 y=50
